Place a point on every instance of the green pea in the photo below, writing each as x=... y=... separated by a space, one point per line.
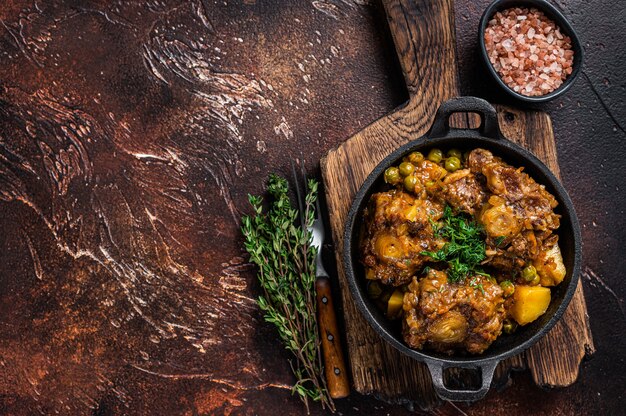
x=453 y=164
x=507 y=287
x=435 y=155
x=455 y=153
x=392 y=176
x=509 y=326
x=535 y=280
x=529 y=273
x=416 y=157
x=410 y=182
x=406 y=168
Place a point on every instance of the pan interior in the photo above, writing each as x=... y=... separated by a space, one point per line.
x=505 y=345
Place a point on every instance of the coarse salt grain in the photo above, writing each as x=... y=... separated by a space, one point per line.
x=528 y=51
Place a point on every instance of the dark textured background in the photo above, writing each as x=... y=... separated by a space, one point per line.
x=130 y=134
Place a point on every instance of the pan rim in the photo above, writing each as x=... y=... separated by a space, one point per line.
x=358 y=204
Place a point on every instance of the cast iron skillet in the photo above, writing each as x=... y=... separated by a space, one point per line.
x=488 y=136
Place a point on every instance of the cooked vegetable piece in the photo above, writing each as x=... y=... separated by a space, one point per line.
x=455 y=153
x=389 y=247
x=500 y=221
x=406 y=168
x=416 y=157
x=550 y=267
x=450 y=328
x=392 y=176
x=529 y=303
x=508 y=288
x=453 y=164
x=435 y=155
x=529 y=273
x=509 y=326
x=410 y=182
x=394 y=304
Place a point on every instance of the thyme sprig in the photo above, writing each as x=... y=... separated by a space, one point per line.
x=285 y=258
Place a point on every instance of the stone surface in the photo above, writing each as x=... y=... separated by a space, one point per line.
x=130 y=134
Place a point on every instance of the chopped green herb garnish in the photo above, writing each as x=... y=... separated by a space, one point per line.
x=499 y=240
x=475 y=285
x=465 y=249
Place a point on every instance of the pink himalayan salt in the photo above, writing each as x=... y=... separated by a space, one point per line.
x=528 y=51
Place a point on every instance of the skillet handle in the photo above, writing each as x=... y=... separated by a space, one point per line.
x=488 y=118
x=436 y=372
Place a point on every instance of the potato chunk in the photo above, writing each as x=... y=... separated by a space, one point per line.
x=394 y=304
x=529 y=303
x=550 y=266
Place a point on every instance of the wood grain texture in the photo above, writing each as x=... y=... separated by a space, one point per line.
x=421 y=35
x=334 y=364
x=376 y=367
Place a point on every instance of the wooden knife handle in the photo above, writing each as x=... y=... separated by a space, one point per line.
x=334 y=365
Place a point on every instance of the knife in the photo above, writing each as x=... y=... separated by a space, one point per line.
x=334 y=364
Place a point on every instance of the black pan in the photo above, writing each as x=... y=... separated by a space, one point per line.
x=488 y=136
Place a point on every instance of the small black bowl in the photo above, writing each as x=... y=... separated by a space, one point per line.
x=552 y=13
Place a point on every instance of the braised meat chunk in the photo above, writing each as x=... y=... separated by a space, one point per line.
x=398 y=229
x=465 y=190
x=445 y=316
x=530 y=201
x=519 y=214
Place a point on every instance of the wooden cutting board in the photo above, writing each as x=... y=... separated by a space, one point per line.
x=424 y=36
